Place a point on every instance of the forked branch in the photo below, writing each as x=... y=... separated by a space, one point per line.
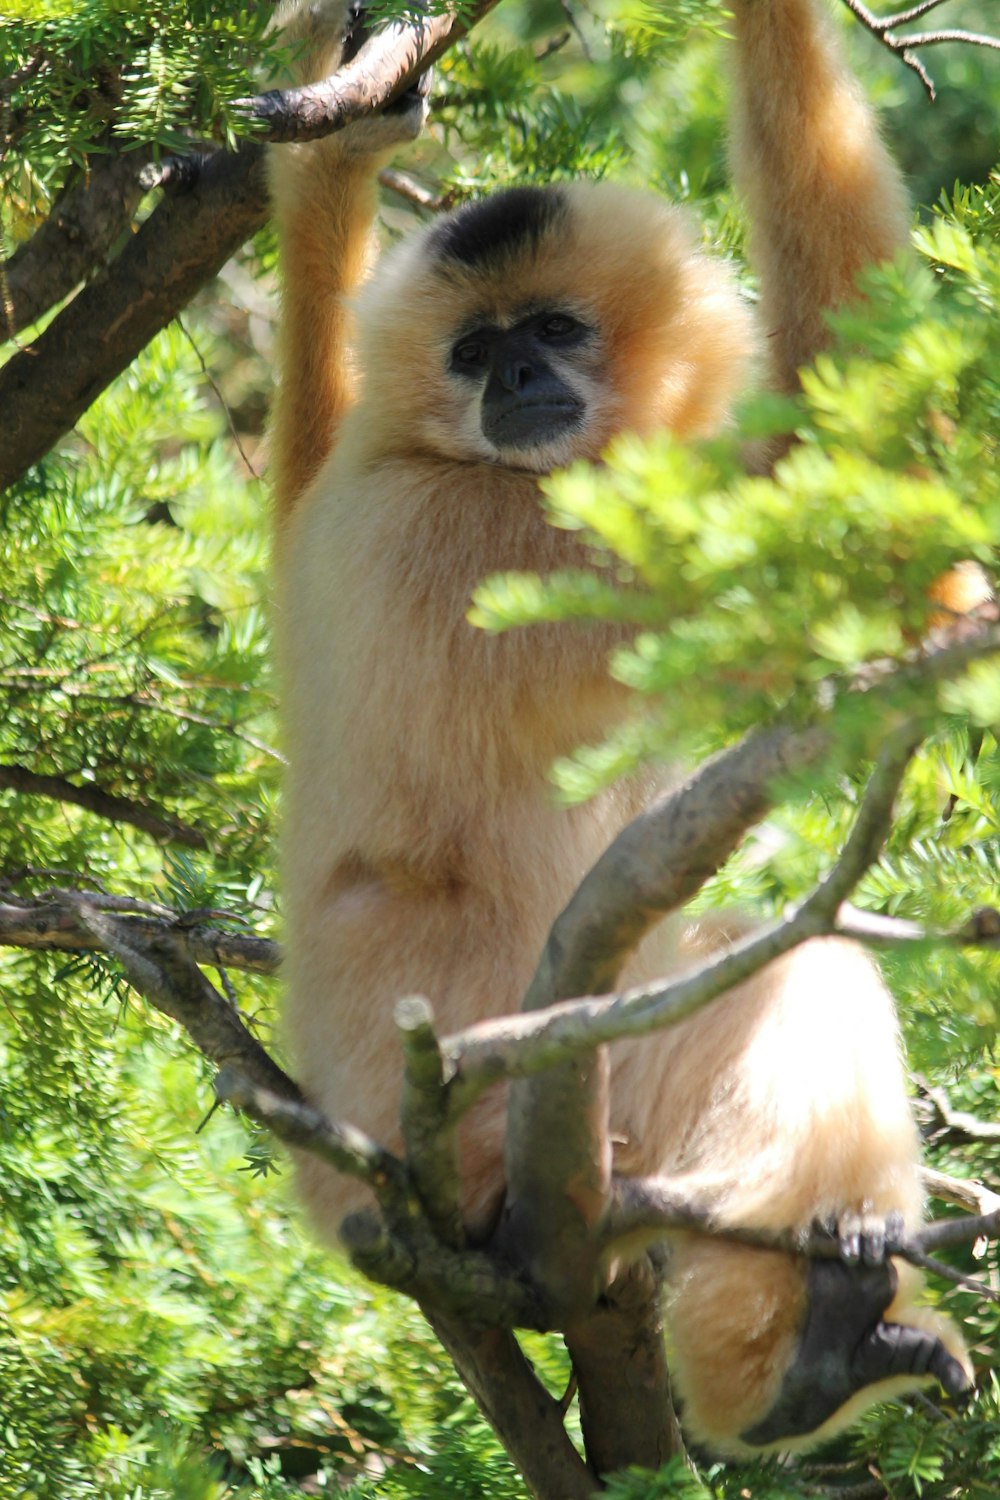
x=885 y=29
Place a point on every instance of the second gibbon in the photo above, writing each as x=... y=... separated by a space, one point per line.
x=422 y=850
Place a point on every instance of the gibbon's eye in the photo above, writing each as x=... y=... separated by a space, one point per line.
x=558 y=328
x=470 y=355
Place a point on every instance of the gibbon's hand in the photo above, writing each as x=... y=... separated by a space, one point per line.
x=327 y=34
x=844 y=1344
x=402 y=120
x=398 y=124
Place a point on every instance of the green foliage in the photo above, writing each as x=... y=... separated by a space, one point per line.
x=134 y=648
x=89 y=77
x=748 y=591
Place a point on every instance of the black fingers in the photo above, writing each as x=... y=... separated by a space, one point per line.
x=864 y=1238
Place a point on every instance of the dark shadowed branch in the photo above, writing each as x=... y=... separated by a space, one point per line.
x=75 y=240
x=143 y=815
x=647 y=1208
x=45 y=389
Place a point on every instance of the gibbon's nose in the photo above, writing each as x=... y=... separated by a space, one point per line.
x=514 y=374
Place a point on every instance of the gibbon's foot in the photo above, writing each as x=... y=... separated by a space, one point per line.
x=845 y=1346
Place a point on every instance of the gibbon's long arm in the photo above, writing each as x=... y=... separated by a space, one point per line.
x=324 y=194
x=824 y=196
x=324 y=233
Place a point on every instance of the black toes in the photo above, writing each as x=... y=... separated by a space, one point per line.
x=894 y=1349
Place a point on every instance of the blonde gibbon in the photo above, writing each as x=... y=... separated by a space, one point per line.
x=423 y=852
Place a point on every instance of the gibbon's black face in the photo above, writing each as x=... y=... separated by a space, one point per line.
x=527 y=365
x=525 y=401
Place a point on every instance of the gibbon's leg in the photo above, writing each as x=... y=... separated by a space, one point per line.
x=373 y=943
x=783 y=1105
x=324 y=195
x=825 y=198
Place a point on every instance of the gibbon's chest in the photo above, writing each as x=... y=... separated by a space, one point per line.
x=386 y=563
x=377 y=648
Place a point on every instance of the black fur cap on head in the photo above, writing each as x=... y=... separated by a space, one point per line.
x=497 y=226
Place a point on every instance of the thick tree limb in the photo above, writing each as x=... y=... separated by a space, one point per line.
x=629 y=1420
x=150 y=819
x=216 y=205
x=74 y=241
x=662 y=859
x=528 y=1421
x=45 y=390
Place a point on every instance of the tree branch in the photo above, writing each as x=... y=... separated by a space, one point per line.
x=296 y=1122
x=428 y=1132
x=959 y=1121
x=965 y=1192
x=212 y=208
x=651 y=1207
x=74 y=240
x=520 y=1046
x=556 y=1198
x=164 y=973
x=388 y=64
x=146 y=816
x=883 y=28
x=45 y=390
x=662 y=859
x=528 y=1421
x=53 y=923
x=631 y=1419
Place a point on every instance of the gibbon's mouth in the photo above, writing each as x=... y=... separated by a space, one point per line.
x=531 y=424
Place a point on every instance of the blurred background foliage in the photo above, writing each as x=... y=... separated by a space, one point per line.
x=167 y=1331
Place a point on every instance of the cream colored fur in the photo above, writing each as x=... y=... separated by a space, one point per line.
x=423 y=851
